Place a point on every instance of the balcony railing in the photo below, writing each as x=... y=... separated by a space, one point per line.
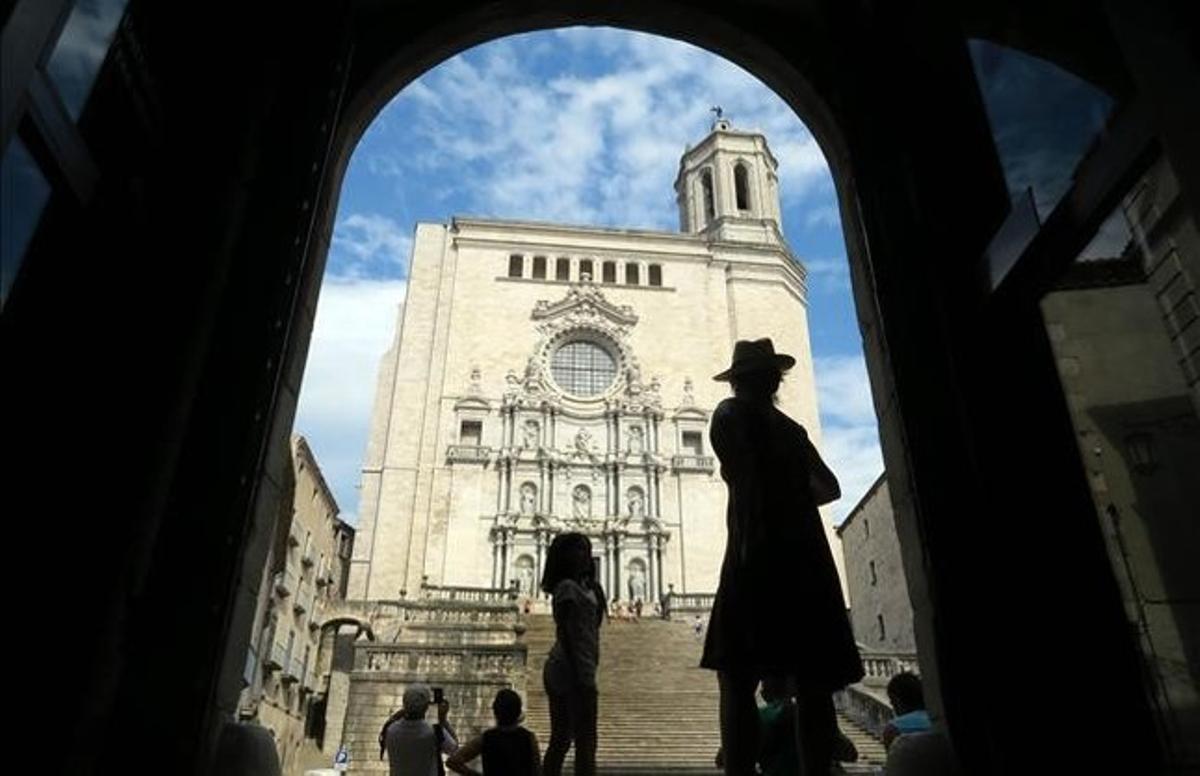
x=285 y=582
x=291 y=672
x=468 y=454
x=687 y=603
x=275 y=658
x=692 y=463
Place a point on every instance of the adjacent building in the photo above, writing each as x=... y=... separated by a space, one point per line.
x=880 y=611
x=306 y=573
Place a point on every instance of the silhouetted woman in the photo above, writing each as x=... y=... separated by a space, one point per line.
x=779 y=610
x=570 y=672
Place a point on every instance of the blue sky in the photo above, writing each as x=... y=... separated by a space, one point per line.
x=579 y=126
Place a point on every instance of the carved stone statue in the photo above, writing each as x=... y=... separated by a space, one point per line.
x=474 y=386
x=524 y=579
x=637 y=583
x=581 y=503
x=637 y=504
x=689 y=396
x=636 y=439
x=583 y=441
x=530 y=433
x=512 y=384
x=528 y=499
x=633 y=379
x=532 y=375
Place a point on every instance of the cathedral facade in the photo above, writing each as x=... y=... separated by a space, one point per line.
x=546 y=378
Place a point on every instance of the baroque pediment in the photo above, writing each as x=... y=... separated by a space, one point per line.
x=584 y=305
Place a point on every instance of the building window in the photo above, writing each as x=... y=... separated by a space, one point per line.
x=562 y=269
x=585 y=270
x=516 y=265
x=874 y=579
x=583 y=368
x=881 y=626
x=867 y=527
x=539 y=267
x=706 y=185
x=470 y=432
x=632 y=274
x=656 y=274
x=693 y=443
x=741 y=186
x=609 y=269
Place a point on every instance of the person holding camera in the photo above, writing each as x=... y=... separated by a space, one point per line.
x=414 y=747
x=508 y=749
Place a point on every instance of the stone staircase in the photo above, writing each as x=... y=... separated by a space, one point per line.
x=658 y=709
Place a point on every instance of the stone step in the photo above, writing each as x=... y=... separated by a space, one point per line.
x=649 y=674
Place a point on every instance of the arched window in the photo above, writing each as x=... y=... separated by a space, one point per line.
x=741 y=186
x=631 y=274
x=562 y=269
x=539 y=267
x=706 y=185
x=609 y=268
x=882 y=628
x=585 y=270
x=656 y=274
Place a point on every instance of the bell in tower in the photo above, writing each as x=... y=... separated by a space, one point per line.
x=728 y=186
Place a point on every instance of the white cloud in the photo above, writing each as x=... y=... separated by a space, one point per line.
x=826 y=216
x=587 y=147
x=827 y=275
x=370 y=243
x=355 y=324
x=849 y=435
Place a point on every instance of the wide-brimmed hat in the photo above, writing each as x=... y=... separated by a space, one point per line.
x=755 y=356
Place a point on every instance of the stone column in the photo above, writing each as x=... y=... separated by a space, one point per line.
x=541 y=499
x=651 y=569
x=608 y=563
x=503 y=558
x=540 y=539
x=616 y=572
x=549 y=500
x=658 y=543
x=495 y=560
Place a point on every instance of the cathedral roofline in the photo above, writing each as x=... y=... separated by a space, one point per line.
x=699 y=245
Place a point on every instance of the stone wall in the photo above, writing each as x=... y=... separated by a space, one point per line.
x=875 y=575
x=470 y=648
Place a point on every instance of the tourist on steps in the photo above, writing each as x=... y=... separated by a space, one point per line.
x=414 y=747
x=779 y=610
x=908 y=703
x=508 y=749
x=570 y=672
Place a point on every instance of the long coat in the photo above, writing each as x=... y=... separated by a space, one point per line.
x=779 y=607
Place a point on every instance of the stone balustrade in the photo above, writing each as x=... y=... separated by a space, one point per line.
x=882 y=666
x=692 y=463
x=468 y=454
x=469 y=594
x=686 y=603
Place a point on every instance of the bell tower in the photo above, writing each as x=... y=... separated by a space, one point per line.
x=728 y=186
